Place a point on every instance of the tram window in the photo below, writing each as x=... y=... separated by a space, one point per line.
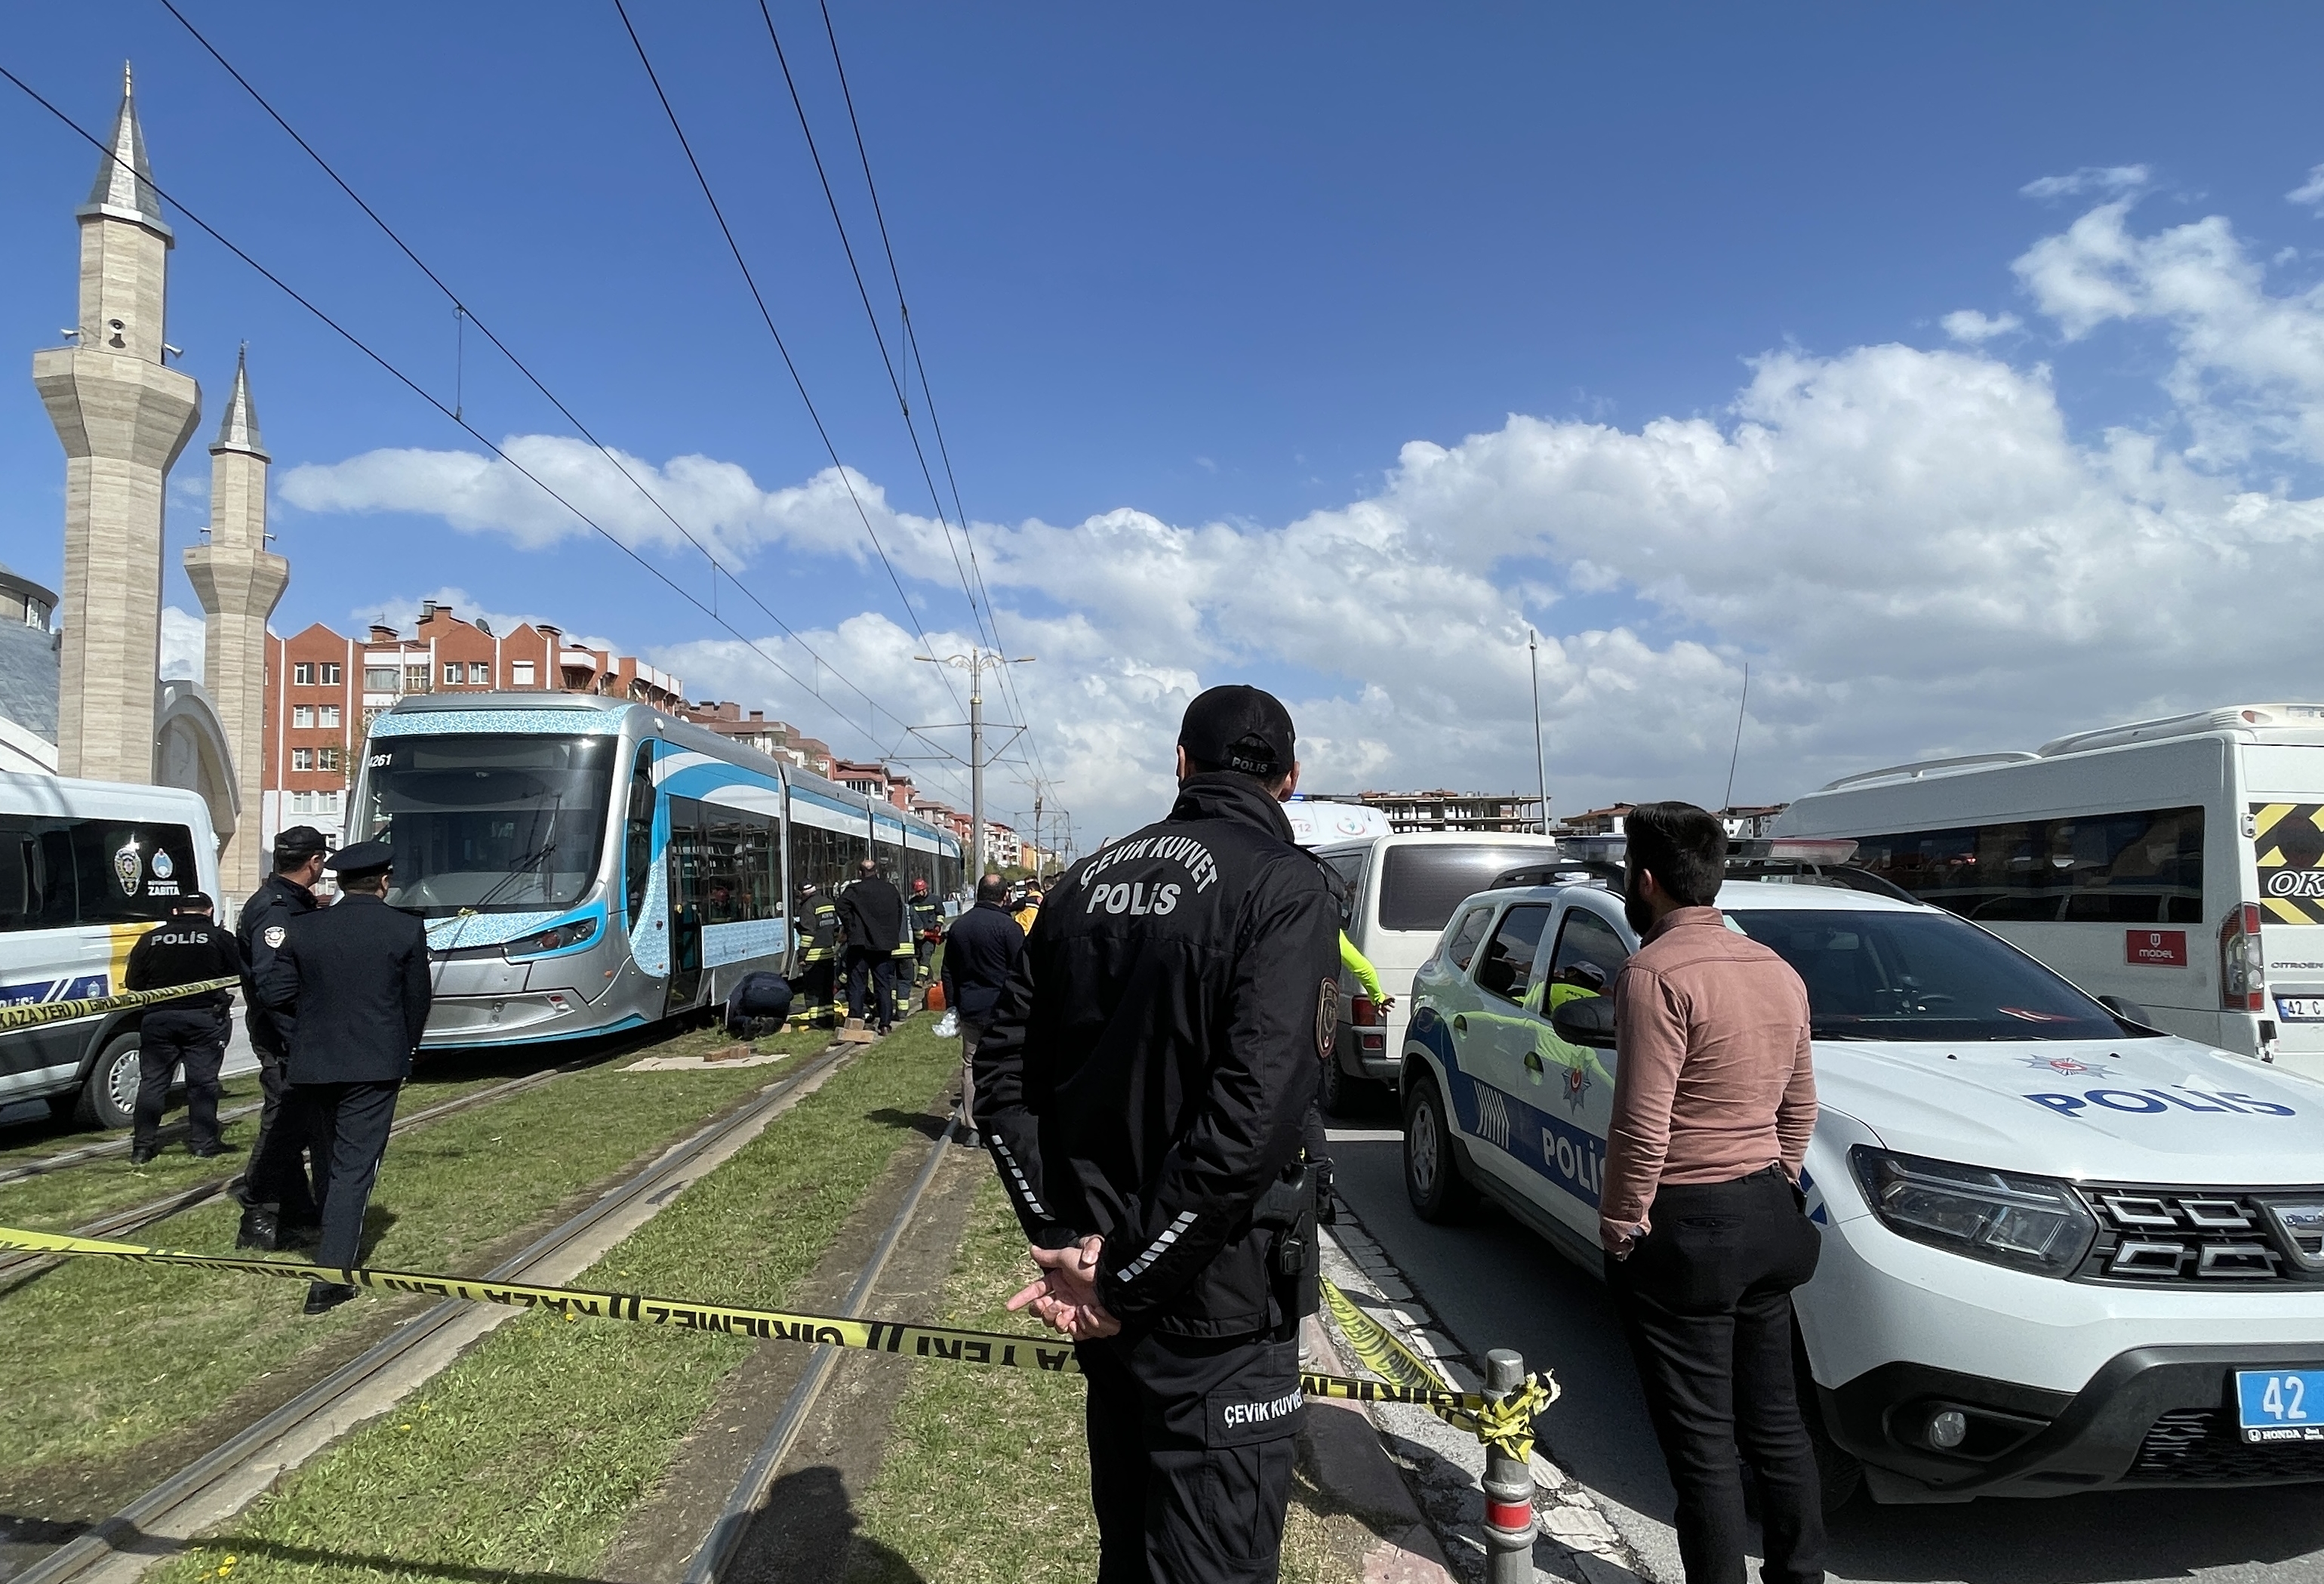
x=637 y=832
x=722 y=852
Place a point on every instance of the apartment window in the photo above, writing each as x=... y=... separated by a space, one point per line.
x=328 y=715
x=480 y=672
x=302 y=717
x=521 y=674
x=331 y=674
x=327 y=758
x=302 y=758
x=415 y=678
x=451 y=670
x=379 y=679
x=302 y=674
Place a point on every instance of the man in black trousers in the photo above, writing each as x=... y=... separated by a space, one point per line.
x=191 y=1029
x=280 y=1206
x=985 y=947
x=1143 y=1084
x=355 y=976
x=871 y=912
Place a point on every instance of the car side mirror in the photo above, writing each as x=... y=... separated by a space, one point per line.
x=2128 y=1010
x=1585 y=1020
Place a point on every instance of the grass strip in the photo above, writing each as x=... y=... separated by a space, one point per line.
x=104 y=1358
x=526 y=1454
x=941 y=1509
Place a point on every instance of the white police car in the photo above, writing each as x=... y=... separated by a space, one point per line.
x=2062 y=1251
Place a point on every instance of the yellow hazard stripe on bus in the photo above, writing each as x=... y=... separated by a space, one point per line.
x=1505 y=1422
x=32 y=1013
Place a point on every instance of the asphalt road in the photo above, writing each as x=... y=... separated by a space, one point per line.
x=1496 y=1285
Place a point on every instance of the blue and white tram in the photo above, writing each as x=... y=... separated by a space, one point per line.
x=586 y=865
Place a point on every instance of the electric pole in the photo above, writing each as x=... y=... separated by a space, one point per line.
x=975 y=662
x=1540 y=759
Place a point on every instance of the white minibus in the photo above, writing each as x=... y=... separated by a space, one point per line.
x=2176 y=864
x=86 y=867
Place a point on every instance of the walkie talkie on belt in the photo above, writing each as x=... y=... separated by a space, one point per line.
x=1293 y=1262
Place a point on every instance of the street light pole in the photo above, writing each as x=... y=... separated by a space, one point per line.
x=1540 y=759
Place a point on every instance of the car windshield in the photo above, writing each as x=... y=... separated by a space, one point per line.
x=1921 y=975
x=497 y=824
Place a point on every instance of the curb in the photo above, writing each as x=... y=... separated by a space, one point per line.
x=1438 y=1467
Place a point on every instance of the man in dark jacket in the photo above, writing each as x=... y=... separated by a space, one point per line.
x=281 y=1207
x=984 y=948
x=356 y=977
x=191 y=1031
x=1143 y=1084
x=872 y=914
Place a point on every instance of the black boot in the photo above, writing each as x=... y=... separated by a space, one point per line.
x=140 y=1154
x=322 y=1297
x=259 y=1230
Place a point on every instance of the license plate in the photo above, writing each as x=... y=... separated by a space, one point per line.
x=2300 y=1008
x=2280 y=1404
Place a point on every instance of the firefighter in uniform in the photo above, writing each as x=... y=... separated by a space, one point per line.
x=820 y=961
x=356 y=977
x=1141 y=1091
x=191 y=1029
x=283 y=1211
x=927 y=924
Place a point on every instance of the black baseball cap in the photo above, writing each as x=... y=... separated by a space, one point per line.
x=191 y=901
x=298 y=843
x=1242 y=727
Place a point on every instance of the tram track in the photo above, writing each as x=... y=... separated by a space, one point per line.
x=727 y=1533
x=135 y=1217
x=224 y=1479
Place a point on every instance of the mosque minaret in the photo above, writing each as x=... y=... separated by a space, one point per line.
x=124 y=416
x=238 y=581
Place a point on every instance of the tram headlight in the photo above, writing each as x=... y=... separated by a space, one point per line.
x=573 y=932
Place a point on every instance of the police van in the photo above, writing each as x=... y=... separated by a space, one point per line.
x=1396 y=889
x=2062 y=1250
x=86 y=867
x=2177 y=864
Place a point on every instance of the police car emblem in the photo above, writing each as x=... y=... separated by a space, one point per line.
x=1327 y=1019
x=275 y=935
x=126 y=868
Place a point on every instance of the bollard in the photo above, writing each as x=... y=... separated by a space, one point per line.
x=1510 y=1526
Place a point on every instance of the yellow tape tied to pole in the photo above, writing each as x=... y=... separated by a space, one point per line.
x=28 y=1015
x=1506 y=1421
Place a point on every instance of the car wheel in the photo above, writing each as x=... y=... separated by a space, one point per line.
x=1432 y=1166
x=109 y=1097
x=1332 y=1087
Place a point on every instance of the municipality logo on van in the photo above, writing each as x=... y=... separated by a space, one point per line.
x=126 y=868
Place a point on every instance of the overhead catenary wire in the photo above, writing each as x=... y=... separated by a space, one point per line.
x=910 y=338
x=467 y=316
x=735 y=247
x=410 y=383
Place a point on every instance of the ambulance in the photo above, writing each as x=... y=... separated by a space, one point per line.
x=2062 y=1250
x=2176 y=864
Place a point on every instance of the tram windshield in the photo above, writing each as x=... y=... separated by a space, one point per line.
x=497 y=824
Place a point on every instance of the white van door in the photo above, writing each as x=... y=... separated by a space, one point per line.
x=2283 y=820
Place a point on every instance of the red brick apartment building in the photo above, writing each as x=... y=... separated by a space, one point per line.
x=322 y=690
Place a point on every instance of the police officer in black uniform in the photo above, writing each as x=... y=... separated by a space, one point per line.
x=354 y=977
x=819 y=962
x=1141 y=1089
x=191 y=1029
x=283 y=1210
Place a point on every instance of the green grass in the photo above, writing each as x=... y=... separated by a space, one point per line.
x=938 y=1510
x=104 y=1358
x=527 y=1454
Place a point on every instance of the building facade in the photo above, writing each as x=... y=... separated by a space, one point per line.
x=1446 y=811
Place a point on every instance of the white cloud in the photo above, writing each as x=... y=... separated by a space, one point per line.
x=2311 y=191
x=184 y=641
x=2090 y=179
x=1912 y=547
x=1975 y=329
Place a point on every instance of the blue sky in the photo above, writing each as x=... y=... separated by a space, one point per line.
x=1211 y=271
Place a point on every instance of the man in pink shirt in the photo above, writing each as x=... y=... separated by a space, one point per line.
x=1701 y=1213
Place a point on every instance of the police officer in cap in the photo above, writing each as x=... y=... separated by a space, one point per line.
x=355 y=979
x=279 y=1209
x=1141 y=1089
x=191 y=1029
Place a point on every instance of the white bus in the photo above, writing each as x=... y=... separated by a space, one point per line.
x=2177 y=864
x=86 y=867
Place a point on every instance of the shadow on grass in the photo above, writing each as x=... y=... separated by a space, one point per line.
x=806 y=1532
x=918 y=1122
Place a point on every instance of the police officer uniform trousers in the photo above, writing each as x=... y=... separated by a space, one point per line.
x=169 y=1037
x=1192 y=1443
x=349 y=1124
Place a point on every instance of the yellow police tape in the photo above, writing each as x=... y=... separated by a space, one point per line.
x=1504 y=1422
x=32 y=1014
